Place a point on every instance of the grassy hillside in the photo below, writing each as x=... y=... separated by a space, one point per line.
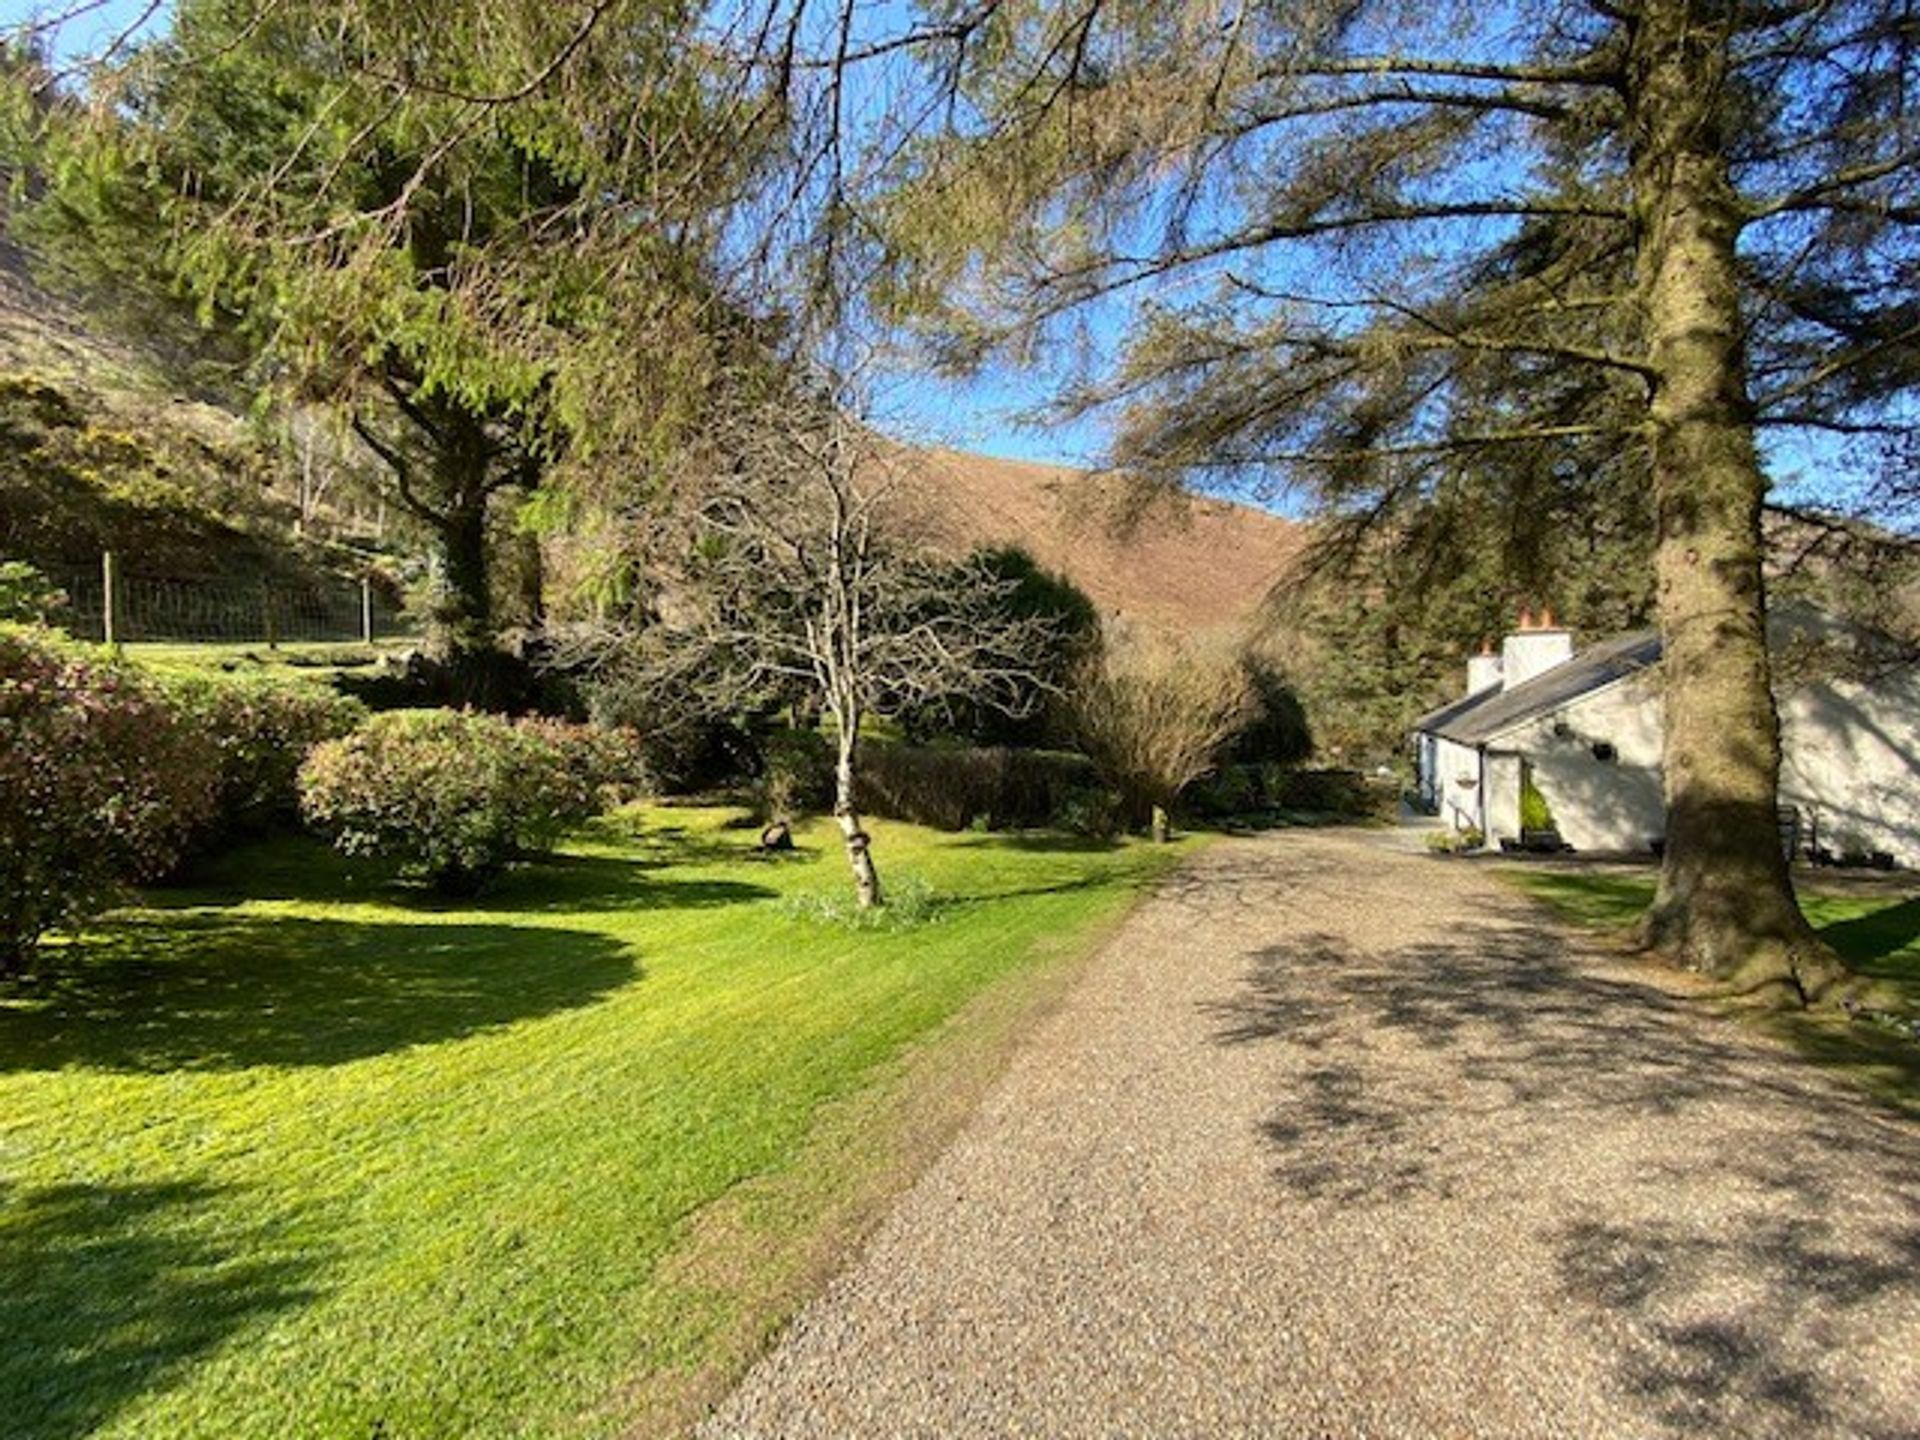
x=108 y=453
x=105 y=451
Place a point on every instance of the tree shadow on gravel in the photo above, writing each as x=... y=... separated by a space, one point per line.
x=1771 y=1225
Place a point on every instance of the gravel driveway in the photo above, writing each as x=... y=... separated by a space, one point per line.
x=1338 y=1140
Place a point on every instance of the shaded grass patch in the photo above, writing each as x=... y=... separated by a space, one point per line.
x=1877 y=933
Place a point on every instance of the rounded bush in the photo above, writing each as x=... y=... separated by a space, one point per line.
x=452 y=795
x=260 y=731
x=101 y=783
x=608 y=761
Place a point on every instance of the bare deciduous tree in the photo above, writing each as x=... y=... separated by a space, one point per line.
x=794 y=577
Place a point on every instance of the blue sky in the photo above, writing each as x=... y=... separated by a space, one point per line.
x=982 y=414
x=977 y=415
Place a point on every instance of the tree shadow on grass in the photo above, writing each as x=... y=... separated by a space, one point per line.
x=1044 y=842
x=108 y=1292
x=302 y=868
x=224 y=990
x=1869 y=941
x=1764 y=1220
x=582 y=884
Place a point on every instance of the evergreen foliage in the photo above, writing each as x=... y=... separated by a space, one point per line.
x=481 y=228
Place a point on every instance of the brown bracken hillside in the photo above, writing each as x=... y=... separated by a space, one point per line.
x=1205 y=566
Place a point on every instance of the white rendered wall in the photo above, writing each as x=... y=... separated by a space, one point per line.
x=1850 y=762
x=1456 y=775
x=1600 y=805
x=1503 y=798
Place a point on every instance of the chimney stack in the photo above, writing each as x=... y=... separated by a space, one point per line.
x=1483 y=670
x=1534 y=649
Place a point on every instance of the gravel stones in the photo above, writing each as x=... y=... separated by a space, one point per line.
x=1337 y=1140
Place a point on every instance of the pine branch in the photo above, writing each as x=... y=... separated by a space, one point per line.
x=1139 y=268
x=1603 y=74
x=1457 y=444
x=1823 y=194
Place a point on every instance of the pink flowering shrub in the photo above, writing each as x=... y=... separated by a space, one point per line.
x=100 y=785
x=260 y=731
x=452 y=795
x=606 y=759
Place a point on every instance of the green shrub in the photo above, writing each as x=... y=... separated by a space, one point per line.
x=1277 y=732
x=796 y=774
x=1455 y=842
x=26 y=595
x=1535 y=813
x=260 y=731
x=1251 y=790
x=1028 y=592
x=452 y=795
x=100 y=785
x=1335 y=792
x=1231 y=790
x=608 y=762
x=1092 y=810
x=952 y=788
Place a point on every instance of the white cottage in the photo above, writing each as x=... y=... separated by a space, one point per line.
x=1584 y=729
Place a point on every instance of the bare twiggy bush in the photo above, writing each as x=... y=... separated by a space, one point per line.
x=1156 y=718
x=786 y=579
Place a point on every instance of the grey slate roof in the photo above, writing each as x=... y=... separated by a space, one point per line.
x=1477 y=719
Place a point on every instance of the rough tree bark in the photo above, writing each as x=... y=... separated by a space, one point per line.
x=866 y=879
x=1725 y=903
x=462 y=620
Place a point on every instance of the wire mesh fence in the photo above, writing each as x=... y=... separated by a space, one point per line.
x=109 y=604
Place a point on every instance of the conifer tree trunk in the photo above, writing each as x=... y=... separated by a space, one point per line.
x=463 y=618
x=1725 y=903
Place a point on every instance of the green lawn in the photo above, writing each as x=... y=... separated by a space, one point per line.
x=308 y=659
x=341 y=1160
x=1878 y=934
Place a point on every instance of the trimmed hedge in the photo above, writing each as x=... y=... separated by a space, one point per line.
x=101 y=783
x=997 y=786
x=450 y=794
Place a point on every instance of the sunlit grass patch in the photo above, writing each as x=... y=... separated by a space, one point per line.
x=308 y=1152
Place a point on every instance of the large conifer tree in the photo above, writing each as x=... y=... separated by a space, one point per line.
x=482 y=229
x=1365 y=244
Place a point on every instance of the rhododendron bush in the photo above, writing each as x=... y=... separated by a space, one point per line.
x=452 y=795
x=260 y=731
x=101 y=783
